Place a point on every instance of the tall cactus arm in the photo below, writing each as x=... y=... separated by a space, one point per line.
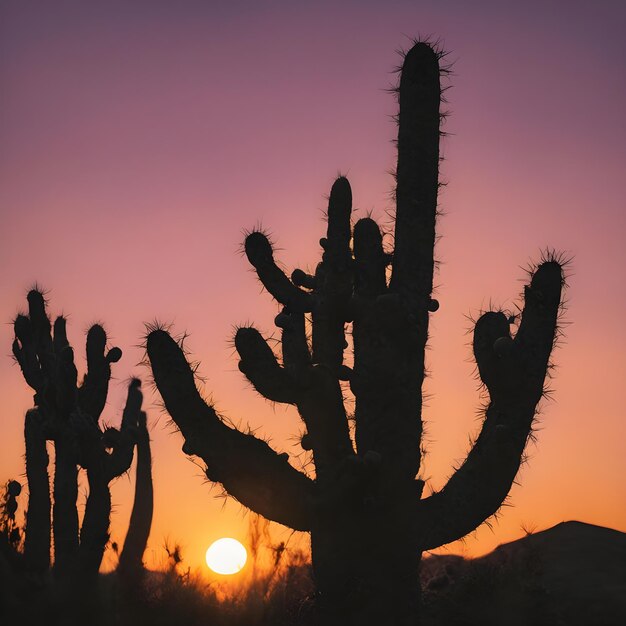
x=333 y=280
x=122 y=441
x=391 y=324
x=101 y=469
x=417 y=174
x=249 y=469
x=259 y=251
x=370 y=260
x=131 y=558
x=92 y=394
x=514 y=371
x=260 y=366
x=37 y=541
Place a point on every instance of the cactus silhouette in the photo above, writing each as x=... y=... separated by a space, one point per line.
x=68 y=414
x=364 y=509
x=131 y=558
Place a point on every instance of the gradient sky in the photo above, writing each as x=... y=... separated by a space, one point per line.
x=139 y=138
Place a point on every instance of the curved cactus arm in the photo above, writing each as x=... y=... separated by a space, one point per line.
x=25 y=353
x=333 y=280
x=131 y=558
x=101 y=469
x=260 y=366
x=123 y=440
x=93 y=392
x=417 y=174
x=514 y=371
x=259 y=251
x=37 y=541
x=315 y=391
x=249 y=469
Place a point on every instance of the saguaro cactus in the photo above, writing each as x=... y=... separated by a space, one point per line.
x=364 y=509
x=68 y=414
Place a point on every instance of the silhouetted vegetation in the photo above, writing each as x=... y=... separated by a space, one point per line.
x=378 y=302
x=570 y=575
x=68 y=414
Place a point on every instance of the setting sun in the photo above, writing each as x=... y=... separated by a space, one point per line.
x=226 y=556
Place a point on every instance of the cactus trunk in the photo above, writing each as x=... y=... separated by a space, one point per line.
x=366 y=567
x=37 y=540
x=64 y=511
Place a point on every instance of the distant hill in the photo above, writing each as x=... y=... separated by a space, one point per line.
x=573 y=574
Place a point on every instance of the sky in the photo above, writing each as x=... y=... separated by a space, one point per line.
x=138 y=140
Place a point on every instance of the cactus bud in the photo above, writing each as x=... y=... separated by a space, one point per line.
x=302 y=279
x=114 y=355
x=433 y=305
x=282 y=320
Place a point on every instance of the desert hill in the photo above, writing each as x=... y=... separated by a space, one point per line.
x=571 y=574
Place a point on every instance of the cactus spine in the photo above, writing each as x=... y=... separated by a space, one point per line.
x=364 y=510
x=68 y=414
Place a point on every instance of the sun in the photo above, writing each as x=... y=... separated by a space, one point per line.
x=226 y=556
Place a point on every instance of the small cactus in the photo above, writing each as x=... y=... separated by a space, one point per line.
x=364 y=509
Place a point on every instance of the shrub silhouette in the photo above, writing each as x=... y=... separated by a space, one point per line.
x=364 y=509
x=68 y=414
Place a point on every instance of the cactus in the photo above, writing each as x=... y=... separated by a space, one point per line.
x=364 y=509
x=68 y=414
